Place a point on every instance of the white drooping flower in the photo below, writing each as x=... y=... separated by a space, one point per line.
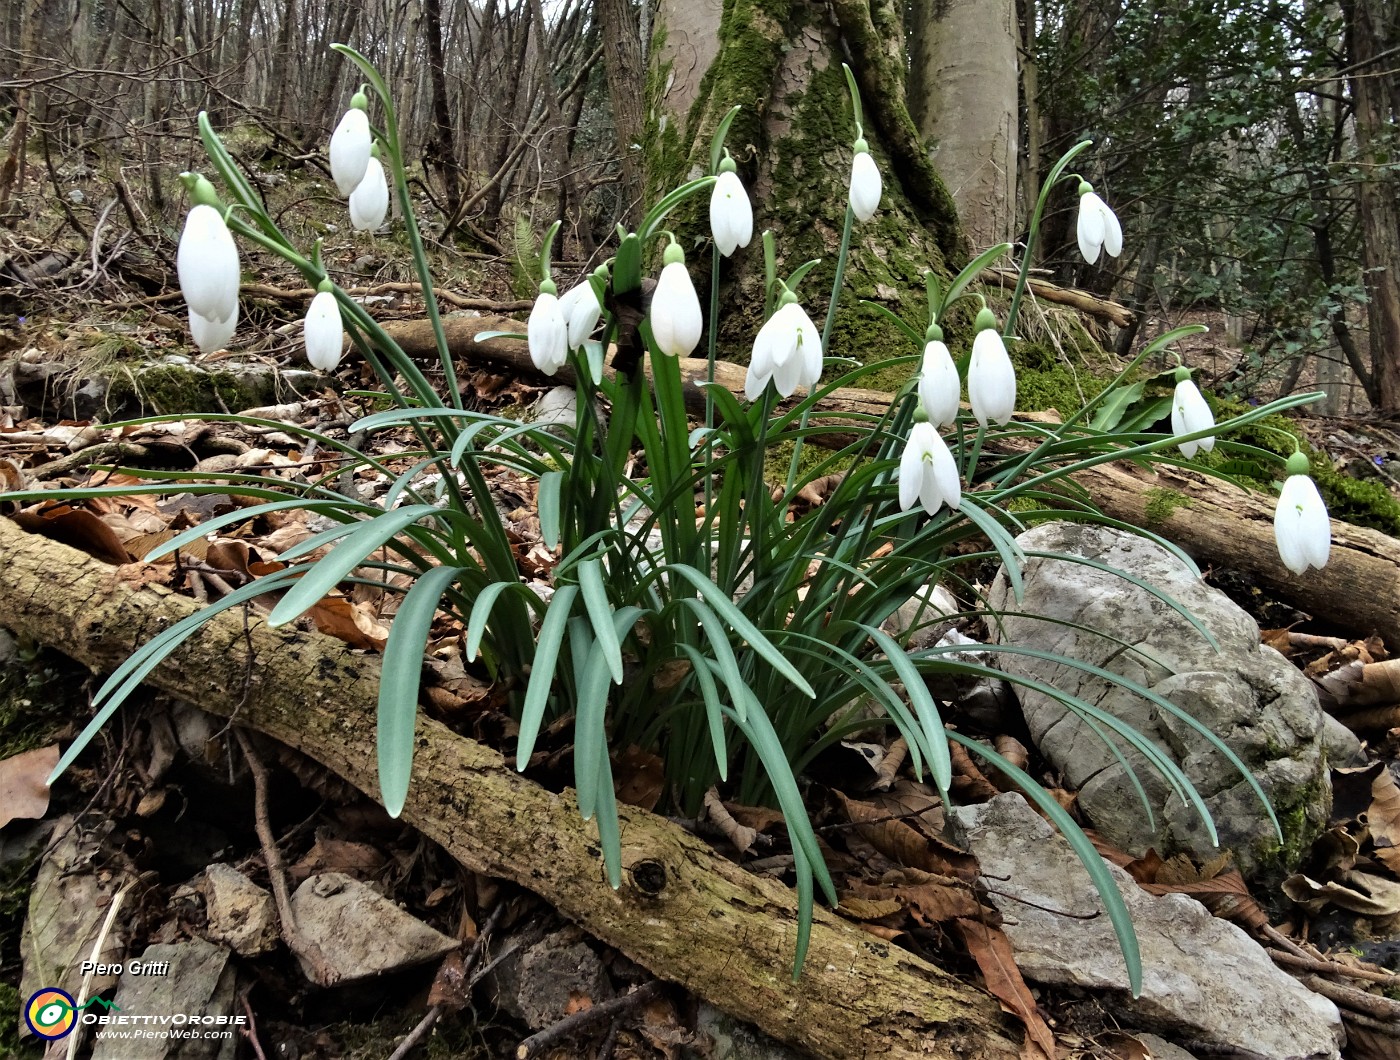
x=1190 y=414
x=731 y=215
x=676 y=320
x=212 y=335
x=991 y=377
x=1098 y=226
x=865 y=182
x=369 y=202
x=787 y=350
x=207 y=263
x=547 y=331
x=940 y=389
x=350 y=144
x=323 y=332
x=580 y=309
x=1302 y=529
x=927 y=471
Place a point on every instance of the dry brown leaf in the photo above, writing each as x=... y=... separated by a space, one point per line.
x=854 y=908
x=759 y=818
x=1357 y=892
x=895 y=839
x=77 y=527
x=24 y=789
x=1383 y=819
x=1124 y=1046
x=338 y=617
x=992 y=952
x=1225 y=895
x=641 y=778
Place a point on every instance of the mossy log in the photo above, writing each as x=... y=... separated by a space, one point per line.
x=686 y=914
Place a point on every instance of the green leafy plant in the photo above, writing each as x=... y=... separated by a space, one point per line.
x=766 y=626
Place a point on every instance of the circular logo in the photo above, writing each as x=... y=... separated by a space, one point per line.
x=50 y=1013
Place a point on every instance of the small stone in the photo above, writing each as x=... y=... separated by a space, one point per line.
x=240 y=913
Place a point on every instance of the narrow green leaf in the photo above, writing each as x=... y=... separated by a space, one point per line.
x=481 y=614
x=600 y=613
x=970 y=274
x=940 y=764
x=714 y=714
x=542 y=671
x=1011 y=555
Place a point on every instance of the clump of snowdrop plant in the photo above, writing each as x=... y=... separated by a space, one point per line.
x=696 y=611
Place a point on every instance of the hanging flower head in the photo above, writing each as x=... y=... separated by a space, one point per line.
x=787 y=350
x=991 y=377
x=350 y=144
x=547 y=330
x=369 y=202
x=323 y=331
x=1301 y=526
x=940 y=389
x=581 y=310
x=927 y=471
x=1098 y=226
x=207 y=263
x=676 y=320
x=731 y=215
x=865 y=182
x=212 y=335
x=1190 y=414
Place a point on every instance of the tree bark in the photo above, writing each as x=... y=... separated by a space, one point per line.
x=622 y=62
x=684 y=913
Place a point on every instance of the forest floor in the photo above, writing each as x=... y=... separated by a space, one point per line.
x=164 y=795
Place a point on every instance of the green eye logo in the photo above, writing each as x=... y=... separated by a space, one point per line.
x=50 y=1013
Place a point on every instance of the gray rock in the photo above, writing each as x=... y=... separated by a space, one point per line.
x=1246 y=694
x=556 y=408
x=1204 y=979
x=732 y=1039
x=539 y=983
x=240 y=913
x=360 y=933
x=193 y=980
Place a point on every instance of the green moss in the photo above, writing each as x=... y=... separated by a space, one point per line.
x=1161 y=503
x=1278 y=859
x=40 y=692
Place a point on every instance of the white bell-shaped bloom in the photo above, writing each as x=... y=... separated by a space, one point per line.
x=369 y=202
x=207 y=263
x=547 y=332
x=1190 y=414
x=212 y=335
x=928 y=472
x=787 y=350
x=1098 y=227
x=323 y=332
x=676 y=320
x=1301 y=527
x=731 y=215
x=940 y=389
x=350 y=144
x=865 y=183
x=580 y=308
x=991 y=378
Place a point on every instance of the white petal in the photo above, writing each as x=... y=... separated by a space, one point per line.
x=1190 y=414
x=207 y=264
x=1091 y=227
x=580 y=308
x=369 y=202
x=809 y=348
x=911 y=470
x=991 y=379
x=755 y=383
x=547 y=334
x=325 y=337
x=939 y=387
x=676 y=320
x=787 y=377
x=945 y=472
x=1301 y=527
x=350 y=150
x=865 y=186
x=731 y=215
x=1113 y=232
x=212 y=335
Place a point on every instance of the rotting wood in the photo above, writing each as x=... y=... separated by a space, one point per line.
x=684 y=913
x=1117 y=315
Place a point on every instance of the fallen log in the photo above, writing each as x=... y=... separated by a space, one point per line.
x=686 y=914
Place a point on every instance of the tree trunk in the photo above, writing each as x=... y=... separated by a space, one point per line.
x=964 y=100
x=684 y=913
x=444 y=150
x=622 y=62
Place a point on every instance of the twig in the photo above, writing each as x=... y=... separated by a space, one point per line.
x=1279 y=939
x=323 y=973
x=1324 y=967
x=97 y=945
x=571 y=1025
x=418 y=1034
x=890 y=765
x=1373 y=1005
x=251 y=1031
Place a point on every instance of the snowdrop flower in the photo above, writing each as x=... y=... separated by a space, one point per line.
x=787 y=350
x=1190 y=414
x=322 y=330
x=927 y=471
x=731 y=215
x=676 y=321
x=212 y=335
x=1301 y=526
x=939 y=387
x=580 y=309
x=1098 y=226
x=207 y=263
x=369 y=202
x=350 y=144
x=865 y=182
x=548 y=331
x=991 y=378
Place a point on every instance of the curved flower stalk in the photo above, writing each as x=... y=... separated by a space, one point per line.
x=369 y=202
x=323 y=330
x=927 y=471
x=1302 y=528
x=731 y=214
x=207 y=264
x=676 y=320
x=940 y=389
x=1097 y=228
x=787 y=351
x=991 y=377
x=350 y=147
x=1190 y=414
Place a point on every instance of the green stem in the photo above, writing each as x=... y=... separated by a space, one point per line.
x=1033 y=231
